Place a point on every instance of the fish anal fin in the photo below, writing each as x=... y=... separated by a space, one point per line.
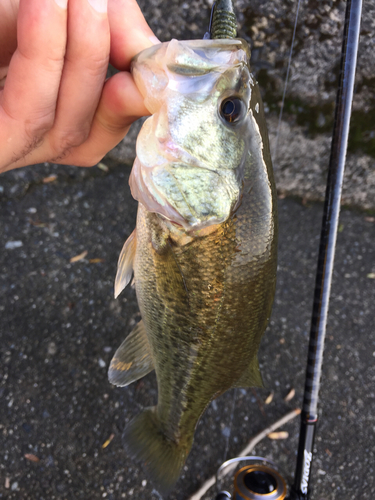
x=132 y=360
x=125 y=264
x=144 y=440
x=251 y=377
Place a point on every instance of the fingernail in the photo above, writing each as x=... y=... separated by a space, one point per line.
x=154 y=40
x=99 y=5
x=62 y=3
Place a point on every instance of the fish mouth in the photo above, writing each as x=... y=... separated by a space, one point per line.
x=186 y=194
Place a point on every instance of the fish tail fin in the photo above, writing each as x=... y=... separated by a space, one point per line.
x=163 y=458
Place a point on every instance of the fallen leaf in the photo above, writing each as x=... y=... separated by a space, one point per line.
x=106 y=443
x=31 y=457
x=290 y=395
x=95 y=261
x=7 y=483
x=371 y=276
x=79 y=257
x=329 y=453
x=37 y=223
x=341 y=228
x=278 y=435
x=50 y=178
x=103 y=167
x=370 y=219
x=269 y=398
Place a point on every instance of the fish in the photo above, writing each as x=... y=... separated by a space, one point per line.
x=203 y=252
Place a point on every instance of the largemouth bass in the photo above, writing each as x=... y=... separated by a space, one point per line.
x=204 y=248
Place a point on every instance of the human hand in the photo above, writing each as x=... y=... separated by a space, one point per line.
x=55 y=105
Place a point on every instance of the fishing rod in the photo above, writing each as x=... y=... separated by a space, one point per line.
x=261 y=478
x=309 y=415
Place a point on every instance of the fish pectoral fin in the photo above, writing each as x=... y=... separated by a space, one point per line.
x=132 y=360
x=251 y=377
x=125 y=264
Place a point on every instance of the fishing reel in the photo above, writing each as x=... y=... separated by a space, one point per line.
x=256 y=481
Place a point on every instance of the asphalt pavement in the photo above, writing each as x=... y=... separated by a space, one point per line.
x=61 y=231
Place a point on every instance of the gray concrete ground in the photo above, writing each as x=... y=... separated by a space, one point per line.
x=59 y=323
x=59 y=327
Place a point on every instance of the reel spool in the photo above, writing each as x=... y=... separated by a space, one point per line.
x=255 y=481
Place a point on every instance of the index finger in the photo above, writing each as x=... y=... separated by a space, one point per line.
x=130 y=32
x=28 y=100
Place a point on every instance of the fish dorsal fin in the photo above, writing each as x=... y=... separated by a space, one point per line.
x=251 y=377
x=132 y=360
x=125 y=264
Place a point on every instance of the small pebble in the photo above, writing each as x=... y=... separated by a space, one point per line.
x=226 y=432
x=52 y=348
x=11 y=245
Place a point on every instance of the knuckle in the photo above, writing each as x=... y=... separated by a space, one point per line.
x=90 y=61
x=71 y=139
x=96 y=66
x=37 y=128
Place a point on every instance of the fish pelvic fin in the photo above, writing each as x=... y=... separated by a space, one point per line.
x=144 y=440
x=133 y=359
x=251 y=377
x=125 y=264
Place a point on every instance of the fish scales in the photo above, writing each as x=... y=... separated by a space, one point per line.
x=204 y=248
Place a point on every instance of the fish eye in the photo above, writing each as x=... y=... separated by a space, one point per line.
x=232 y=109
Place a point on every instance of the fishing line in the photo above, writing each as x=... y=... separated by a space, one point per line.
x=286 y=83
x=227 y=437
x=157 y=494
